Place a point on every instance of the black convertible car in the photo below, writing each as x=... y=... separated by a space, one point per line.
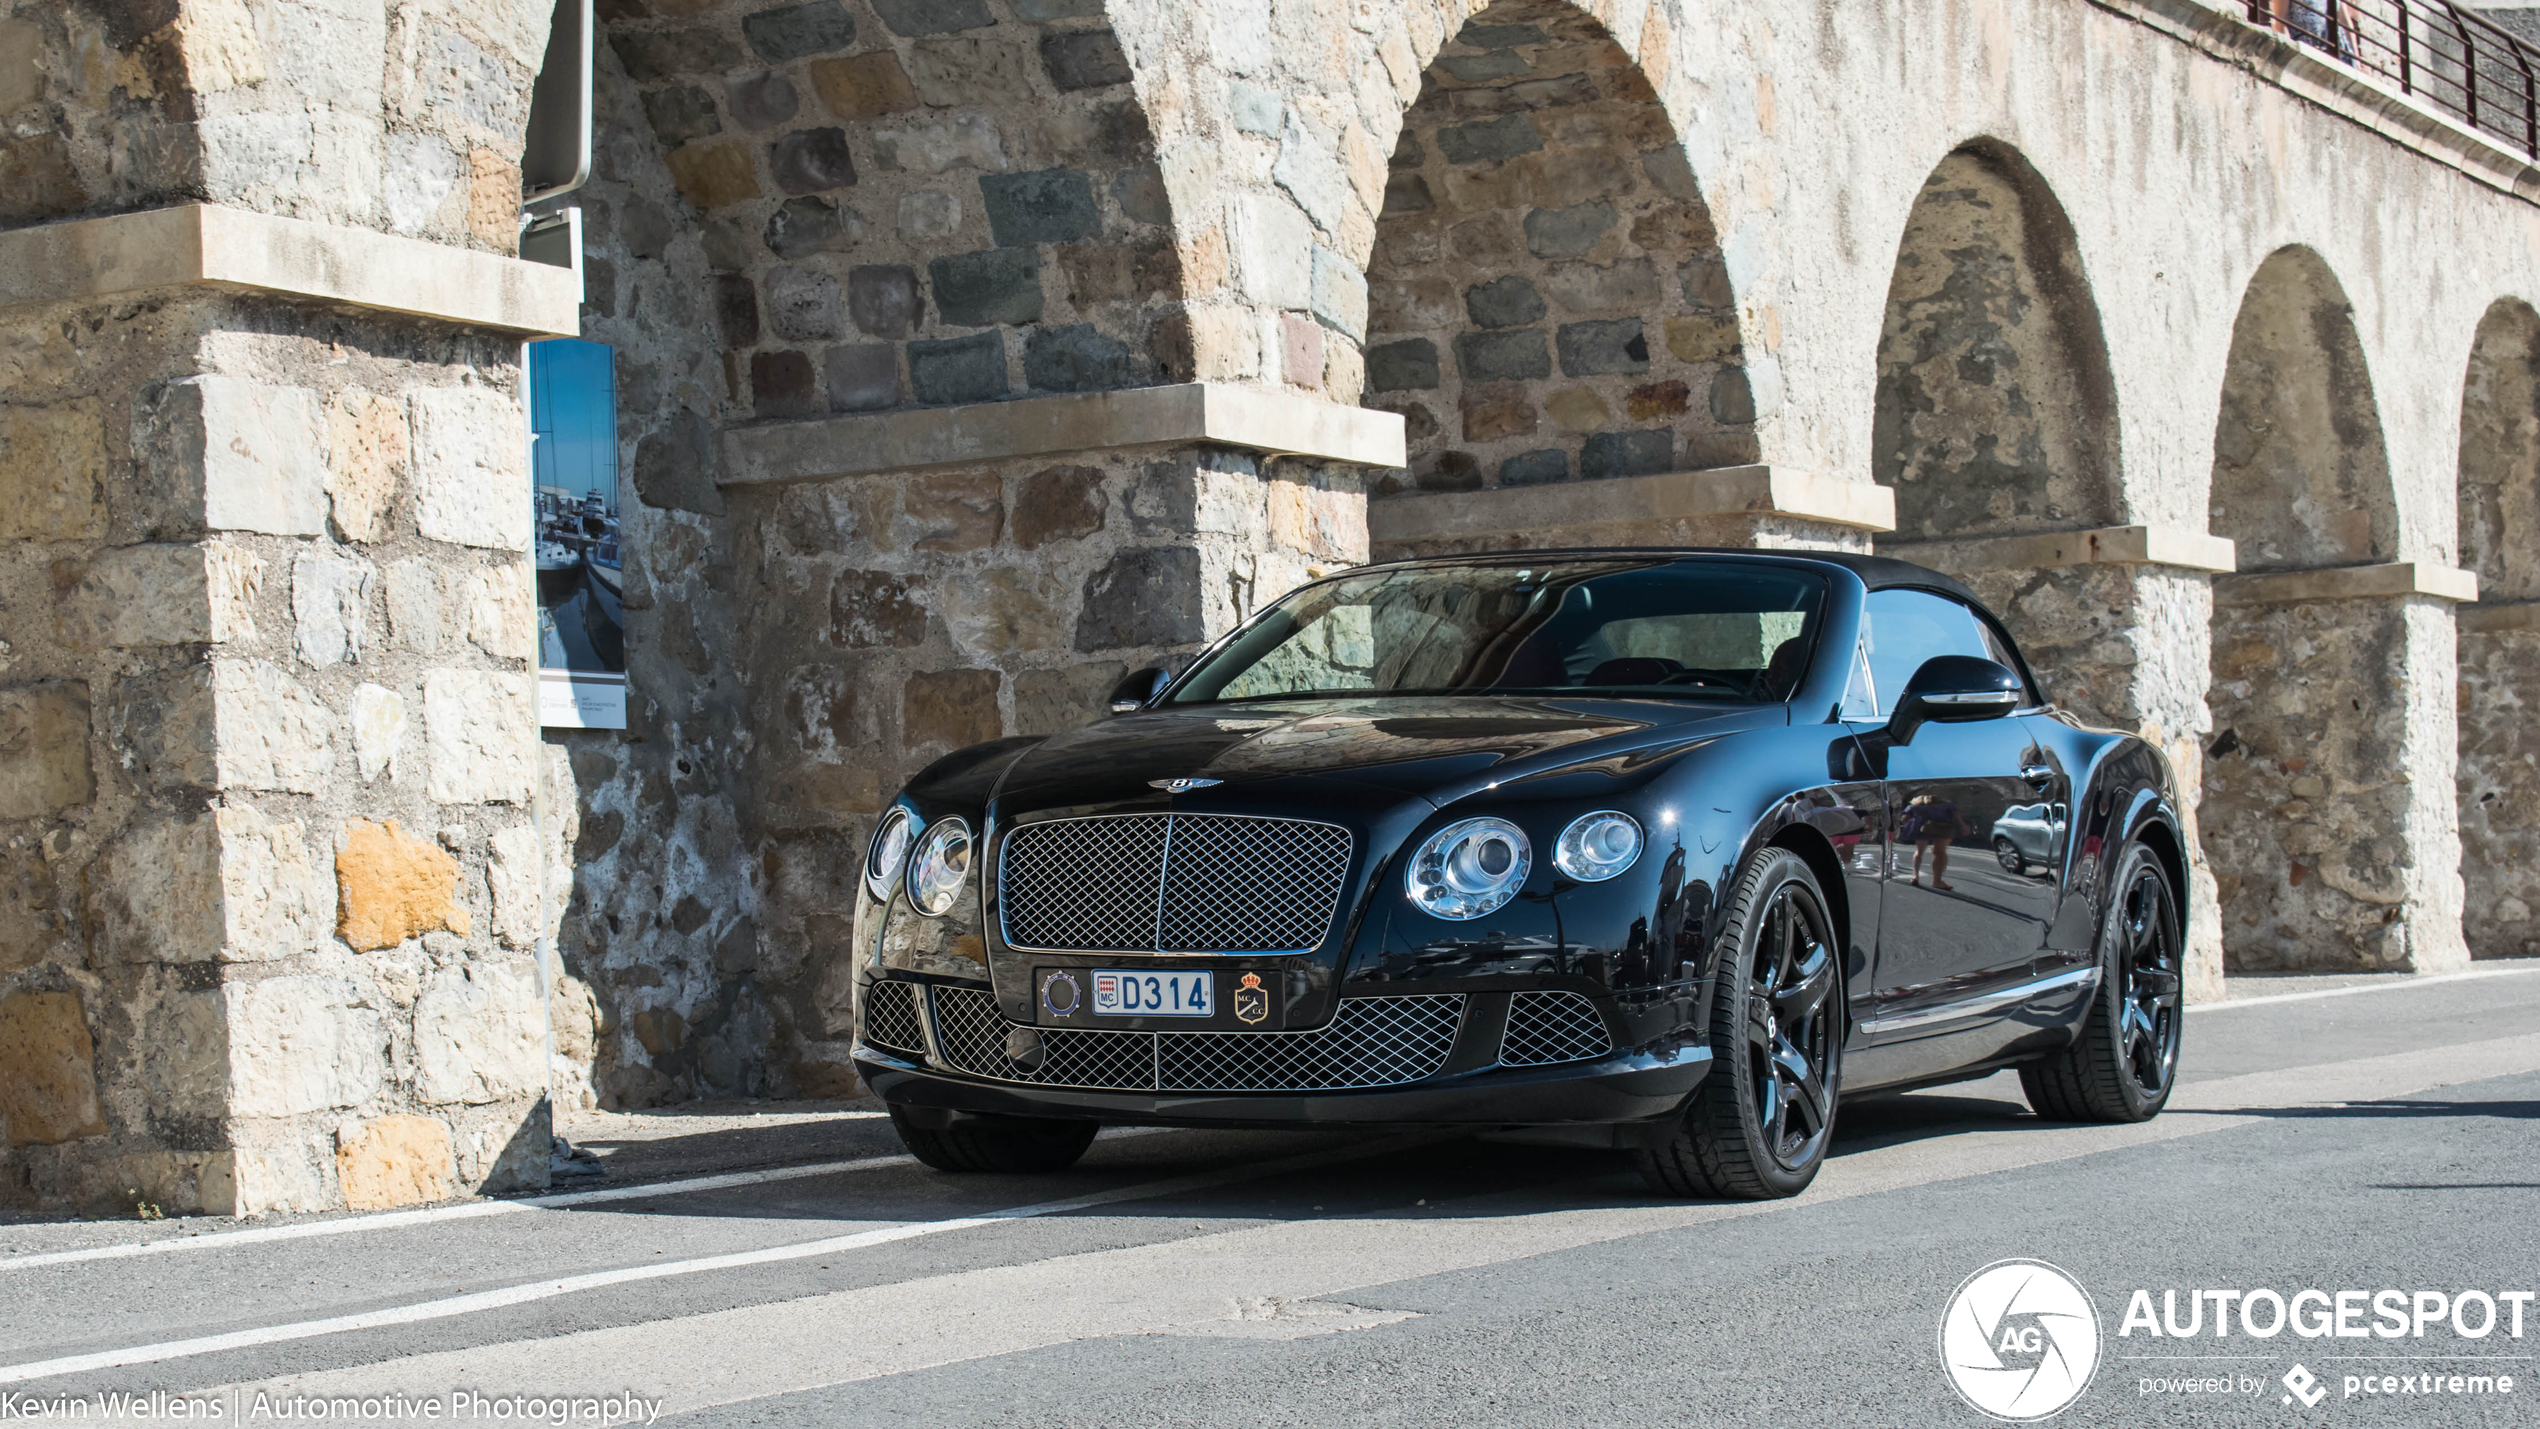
x=1653 y=846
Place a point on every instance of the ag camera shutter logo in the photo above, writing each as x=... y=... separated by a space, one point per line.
x=2020 y=1340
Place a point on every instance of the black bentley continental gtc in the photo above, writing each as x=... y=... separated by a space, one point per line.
x=1670 y=849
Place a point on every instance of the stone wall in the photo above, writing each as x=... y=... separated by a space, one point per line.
x=2499 y=780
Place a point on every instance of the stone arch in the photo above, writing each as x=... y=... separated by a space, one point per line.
x=2306 y=813
x=1547 y=298
x=2499 y=637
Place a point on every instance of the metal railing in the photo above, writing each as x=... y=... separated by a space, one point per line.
x=2445 y=56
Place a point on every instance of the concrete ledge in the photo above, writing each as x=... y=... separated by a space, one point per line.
x=2520 y=615
x=2398 y=578
x=2109 y=545
x=206 y=245
x=1576 y=512
x=1275 y=423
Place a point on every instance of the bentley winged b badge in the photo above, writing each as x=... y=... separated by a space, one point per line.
x=1182 y=786
x=1252 y=1002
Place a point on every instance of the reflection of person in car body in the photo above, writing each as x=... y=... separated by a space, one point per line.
x=1930 y=823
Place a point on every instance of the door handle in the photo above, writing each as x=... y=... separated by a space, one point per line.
x=2038 y=775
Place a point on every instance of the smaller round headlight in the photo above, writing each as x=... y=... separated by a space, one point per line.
x=889 y=855
x=941 y=866
x=1469 y=869
x=1597 y=846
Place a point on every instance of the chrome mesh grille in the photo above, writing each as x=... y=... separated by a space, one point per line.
x=1552 y=1027
x=890 y=1019
x=1371 y=1042
x=1171 y=883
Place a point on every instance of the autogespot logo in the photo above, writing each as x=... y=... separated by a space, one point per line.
x=2020 y=1340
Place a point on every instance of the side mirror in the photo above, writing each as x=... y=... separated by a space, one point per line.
x=1140 y=686
x=1954 y=689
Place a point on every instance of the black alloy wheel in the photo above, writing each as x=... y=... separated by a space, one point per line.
x=2010 y=856
x=1759 y=1124
x=2125 y=1062
x=1011 y=1144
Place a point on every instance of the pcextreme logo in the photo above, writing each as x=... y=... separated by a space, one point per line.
x=2019 y=1340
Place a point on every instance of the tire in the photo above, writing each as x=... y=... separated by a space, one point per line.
x=1758 y=1126
x=2009 y=853
x=1015 y=1145
x=2125 y=1063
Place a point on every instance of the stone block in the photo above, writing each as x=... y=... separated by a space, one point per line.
x=713 y=176
x=500 y=606
x=958 y=141
x=1059 y=503
x=1511 y=301
x=302 y=1043
x=667 y=54
x=470 y=468
x=933 y=17
x=1490 y=139
x=392 y=886
x=1597 y=349
x=1703 y=337
x=1301 y=349
x=267 y=731
x=1256 y=110
x=674 y=466
x=805 y=305
x=1536 y=467
x=1492 y=411
x=952 y=511
x=1084 y=59
x=1509 y=355
x=1626 y=454
x=981 y=72
x=954 y=708
x=801 y=227
x=1499 y=37
x=1408 y=365
x=883 y=299
x=480 y=1035
x=1000 y=285
x=1568 y=232
x=1075 y=358
x=681 y=114
x=1006 y=611
x=330 y=606
x=966 y=369
x=480 y=736
x=1145 y=596
x=874 y=609
x=1579 y=409
x=52 y=472
x=132 y=596
x=928 y=214
x=1339 y=294
x=864 y=377
x=1271 y=244
x=1475 y=69
x=393 y=1161
x=275 y=898
x=225 y=454
x=1630 y=286
x=811 y=160
x=1732 y=397
x=793 y=32
x=1043 y=206
x=736 y=309
x=511 y=877
x=1707 y=286
x=865 y=86
x=48 y=1071
x=367 y=455
x=418 y=615
x=379 y=729
x=1406 y=194
x=766 y=99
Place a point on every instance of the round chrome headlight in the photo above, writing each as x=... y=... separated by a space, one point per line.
x=941 y=866
x=1469 y=869
x=1597 y=846
x=889 y=855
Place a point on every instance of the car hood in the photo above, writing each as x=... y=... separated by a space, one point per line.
x=1348 y=751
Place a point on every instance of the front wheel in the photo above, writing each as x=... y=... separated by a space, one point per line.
x=1758 y=1126
x=2126 y=1060
x=1011 y=1144
x=2010 y=856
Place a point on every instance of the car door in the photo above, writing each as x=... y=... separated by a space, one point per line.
x=1955 y=924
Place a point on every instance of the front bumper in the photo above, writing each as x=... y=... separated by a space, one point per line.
x=1624 y=1087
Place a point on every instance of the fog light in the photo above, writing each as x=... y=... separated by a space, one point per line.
x=1597 y=846
x=1469 y=869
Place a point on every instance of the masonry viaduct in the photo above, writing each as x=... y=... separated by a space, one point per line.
x=970 y=352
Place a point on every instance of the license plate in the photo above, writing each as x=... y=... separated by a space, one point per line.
x=1120 y=992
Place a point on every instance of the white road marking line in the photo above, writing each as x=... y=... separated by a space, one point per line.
x=548 y=1289
x=471 y=1210
x=1204 y=1282
x=2394 y=985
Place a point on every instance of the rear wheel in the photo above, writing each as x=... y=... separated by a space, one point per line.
x=1012 y=1144
x=2010 y=856
x=1758 y=1126
x=2126 y=1060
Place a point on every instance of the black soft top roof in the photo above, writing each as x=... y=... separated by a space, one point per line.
x=1876 y=572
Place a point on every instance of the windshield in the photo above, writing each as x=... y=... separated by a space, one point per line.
x=1619 y=626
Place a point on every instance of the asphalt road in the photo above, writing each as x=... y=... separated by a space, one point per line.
x=2380 y=1139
